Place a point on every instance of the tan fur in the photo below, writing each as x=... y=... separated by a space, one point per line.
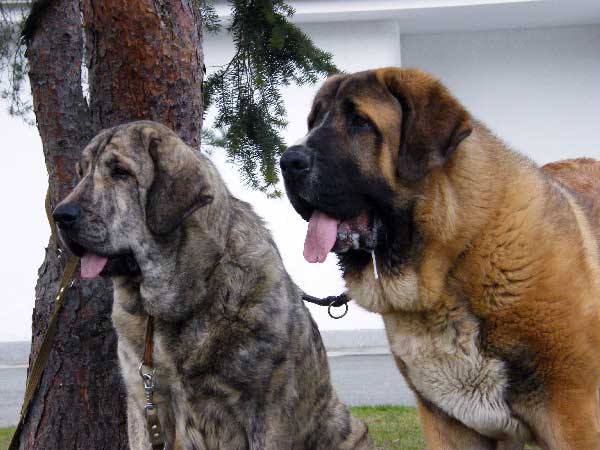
x=495 y=322
x=513 y=245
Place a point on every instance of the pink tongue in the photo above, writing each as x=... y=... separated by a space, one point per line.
x=92 y=265
x=320 y=237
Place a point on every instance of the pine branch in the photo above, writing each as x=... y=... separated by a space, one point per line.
x=210 y=18
x=271 y=52
x=13 y=63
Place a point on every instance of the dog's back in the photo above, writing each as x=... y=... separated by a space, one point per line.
x=582 y=178
x=300 y=386
x=581 y=175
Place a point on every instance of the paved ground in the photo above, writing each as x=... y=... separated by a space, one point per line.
x=362 y=370
x=12 y=389
x=364 y=379
x=369 y=380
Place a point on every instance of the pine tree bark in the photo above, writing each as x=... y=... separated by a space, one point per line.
x=159 y=80
x=144 y=62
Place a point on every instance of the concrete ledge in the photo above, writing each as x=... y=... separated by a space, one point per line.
x=355 y=342
x=337 y=343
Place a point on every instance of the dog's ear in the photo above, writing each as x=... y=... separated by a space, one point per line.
x=179 y=187
x=433 y=124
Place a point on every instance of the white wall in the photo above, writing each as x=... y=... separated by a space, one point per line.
x=538 y=89
x=24 y=230
x=355 y=46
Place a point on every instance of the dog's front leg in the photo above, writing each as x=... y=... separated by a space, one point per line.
x=136 y=427
x=262 y=436
x=444 y=433
x=257 y=434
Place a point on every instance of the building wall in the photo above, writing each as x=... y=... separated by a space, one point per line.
x=355 y=46
x=538 y=89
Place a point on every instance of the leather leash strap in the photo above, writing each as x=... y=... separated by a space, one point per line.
x=333 y=301
x=149 y=345
x=149 y=379
x=37 y=368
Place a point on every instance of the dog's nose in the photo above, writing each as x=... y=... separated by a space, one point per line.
x=295 y=162
x=66 y=215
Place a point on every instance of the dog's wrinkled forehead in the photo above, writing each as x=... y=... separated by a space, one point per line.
x=362 y=93
x=95 y=146
x=119 y=144
x=98 y=144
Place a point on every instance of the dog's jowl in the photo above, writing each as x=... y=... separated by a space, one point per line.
x=239 y=362
x=484 y=267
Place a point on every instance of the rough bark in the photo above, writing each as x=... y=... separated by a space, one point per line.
x=79 y=401
x=160 y=80
x=145 y=62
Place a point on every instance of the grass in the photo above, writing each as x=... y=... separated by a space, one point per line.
x=391 y=427
x=5 y=435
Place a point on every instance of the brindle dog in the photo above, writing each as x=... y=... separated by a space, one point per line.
x=239 y=360
x=484 y=267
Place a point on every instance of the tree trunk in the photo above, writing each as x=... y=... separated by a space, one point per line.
x=144 y=62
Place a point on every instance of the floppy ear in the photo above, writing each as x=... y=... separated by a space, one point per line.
x=179 y=187
x=433 y=125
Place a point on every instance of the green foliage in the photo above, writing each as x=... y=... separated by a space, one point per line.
x=13 y=64
x=391 y=427
x=270 y=53
x=395 y=427
x=213 y=137
x=210 y=18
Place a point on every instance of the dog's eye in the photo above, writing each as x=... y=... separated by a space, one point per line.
x=361 y=122
x=119 y=172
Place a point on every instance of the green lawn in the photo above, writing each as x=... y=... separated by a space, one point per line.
x=395 y=427
x=5 y=435
x=391 y=427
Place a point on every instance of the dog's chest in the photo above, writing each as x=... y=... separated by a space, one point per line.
x=200 y=415
x=448 y=370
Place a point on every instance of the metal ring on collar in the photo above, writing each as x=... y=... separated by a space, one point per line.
x=333 y=316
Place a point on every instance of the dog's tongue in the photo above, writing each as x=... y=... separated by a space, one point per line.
x=320 y=237
x=92 y=265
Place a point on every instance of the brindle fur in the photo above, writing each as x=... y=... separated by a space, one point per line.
x=489 y=281
x=239 y=360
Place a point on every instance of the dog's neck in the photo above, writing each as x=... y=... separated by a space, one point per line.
x=455 y=204
x=448 y=208
x=458 y=203
x=179 y=265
